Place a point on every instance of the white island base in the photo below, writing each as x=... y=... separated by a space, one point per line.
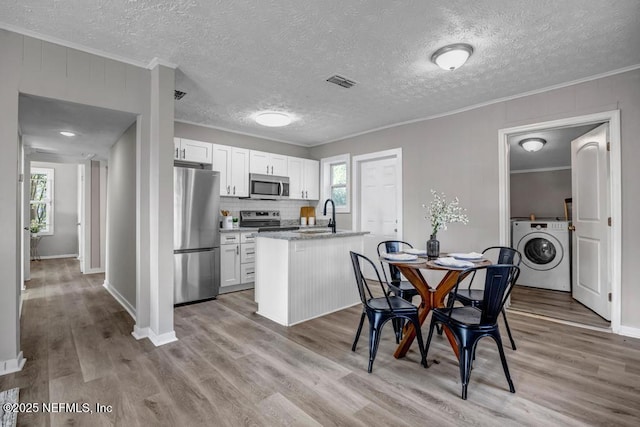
x=300 y=277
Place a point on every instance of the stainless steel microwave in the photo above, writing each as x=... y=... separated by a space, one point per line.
x=268 y=187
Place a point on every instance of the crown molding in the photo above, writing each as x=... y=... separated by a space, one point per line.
x=157 y=61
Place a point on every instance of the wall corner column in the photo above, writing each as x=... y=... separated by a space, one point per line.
x=161 y=204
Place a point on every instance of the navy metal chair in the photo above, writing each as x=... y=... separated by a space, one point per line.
x=400 y=288
x=474 y=297
x=469 y=324
x=379 y=310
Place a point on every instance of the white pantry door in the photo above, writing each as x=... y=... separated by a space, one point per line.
x=591 y=237
x=379 y=202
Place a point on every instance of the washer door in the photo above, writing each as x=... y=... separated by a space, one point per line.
x=540 y=251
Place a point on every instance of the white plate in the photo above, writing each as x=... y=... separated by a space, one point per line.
x=400 y=257
x=413 y=251
x=470 y=255
x=453 y=262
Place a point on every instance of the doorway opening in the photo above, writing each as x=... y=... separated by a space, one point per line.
x=551 y=201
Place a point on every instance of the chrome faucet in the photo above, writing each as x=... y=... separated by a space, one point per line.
x=332 y=221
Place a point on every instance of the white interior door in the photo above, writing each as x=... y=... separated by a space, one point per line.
x=591 y=238
x=379 y=203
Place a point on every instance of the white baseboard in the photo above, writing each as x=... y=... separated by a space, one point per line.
x=157 y=340
x=140 y=333
x=162 y=339
x=94 y=270
x=12 y=365
x=629 y=331
x=118 y=297
x=59 y=256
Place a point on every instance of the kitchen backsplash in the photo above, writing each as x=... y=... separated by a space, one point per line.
x=289 y=209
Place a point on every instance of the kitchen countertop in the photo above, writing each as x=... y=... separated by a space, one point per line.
x=255 y=229
x=302 y=235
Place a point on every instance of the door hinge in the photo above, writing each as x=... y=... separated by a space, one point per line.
x=608 y=146
x=609 y=296
x=609 y=221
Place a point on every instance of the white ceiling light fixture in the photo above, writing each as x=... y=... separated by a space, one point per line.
x=67 y=133
x=532 y=144
x=452 y=56
x=272 y=119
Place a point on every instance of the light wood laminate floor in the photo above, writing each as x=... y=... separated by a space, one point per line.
x=233 y=367
x=555 y=304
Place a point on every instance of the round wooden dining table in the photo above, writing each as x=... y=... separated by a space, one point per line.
x=432 y=297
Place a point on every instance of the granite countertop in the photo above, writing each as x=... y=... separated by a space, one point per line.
x=302 y=235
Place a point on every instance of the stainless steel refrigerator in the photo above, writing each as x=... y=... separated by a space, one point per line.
x=196 y=235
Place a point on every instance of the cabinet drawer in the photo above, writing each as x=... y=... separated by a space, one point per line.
x=228 y=238
x=247 y=237
x=247 y=253
x=247 y=273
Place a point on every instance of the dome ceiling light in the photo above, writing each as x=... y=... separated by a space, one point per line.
x=67 y=133
x=452 y=56
x=532 y=144
x=273 y=119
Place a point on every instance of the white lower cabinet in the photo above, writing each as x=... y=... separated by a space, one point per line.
x=237 y=261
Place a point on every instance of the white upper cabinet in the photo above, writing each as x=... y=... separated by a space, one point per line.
x=311 y=179
x=240 y=172
x=296 y=178
x=268 y=163
x=304 y=178
x=233 y=165
x=188 y=150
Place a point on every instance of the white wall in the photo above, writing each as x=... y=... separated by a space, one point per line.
x=458 y=154
x=121 y=217
x=64 y=240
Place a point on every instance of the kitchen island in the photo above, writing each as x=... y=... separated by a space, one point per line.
x=305 y=274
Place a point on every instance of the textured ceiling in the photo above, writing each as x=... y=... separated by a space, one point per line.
x=556 y=153
x=96 y=129
x=238 y=57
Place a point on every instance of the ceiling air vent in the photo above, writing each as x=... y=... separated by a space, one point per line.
x=341 y=81
x=178 y=95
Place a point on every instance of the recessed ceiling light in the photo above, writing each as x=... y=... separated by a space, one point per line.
x=273 y=119
x=452 y=56
x=532 y=144
x=67 y=133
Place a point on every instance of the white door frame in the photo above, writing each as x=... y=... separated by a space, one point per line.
x=615 y=192
x=356 y=162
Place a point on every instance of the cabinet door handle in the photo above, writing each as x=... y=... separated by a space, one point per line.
x=250 y=253
x=302 y=194
x=271 y=170
x=184 y=153
x=234 y=189
x=177 y=153
x=267 y=169
x=228 y=189
x=237 y=250
x=306 y=194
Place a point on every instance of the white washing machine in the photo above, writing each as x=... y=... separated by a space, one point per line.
x=546 y=260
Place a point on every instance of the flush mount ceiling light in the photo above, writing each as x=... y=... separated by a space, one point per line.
x=532 y=144
x=452 y=56
x=272 y=119
x=67 y=133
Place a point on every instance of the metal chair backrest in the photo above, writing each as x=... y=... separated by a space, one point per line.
x=506 y=255
x=499 y=280
x=363 y=286
x=392 y=247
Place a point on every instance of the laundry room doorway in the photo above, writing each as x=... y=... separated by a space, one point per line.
x=559 y=189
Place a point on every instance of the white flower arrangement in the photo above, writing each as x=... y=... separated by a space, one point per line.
x=441 y=213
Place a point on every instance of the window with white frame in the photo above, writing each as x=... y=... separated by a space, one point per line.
x=41 y=201
x=336 y=181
